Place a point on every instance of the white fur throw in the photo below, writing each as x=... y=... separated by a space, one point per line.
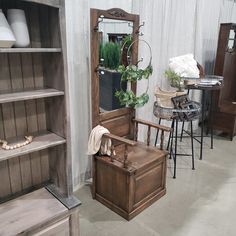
x=185 y=66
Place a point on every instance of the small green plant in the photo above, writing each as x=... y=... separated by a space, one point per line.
x=175 y=80
x=110 y=52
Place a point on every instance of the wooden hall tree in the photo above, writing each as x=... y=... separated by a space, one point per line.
x=36 y=181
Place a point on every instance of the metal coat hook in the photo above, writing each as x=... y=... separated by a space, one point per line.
x=141 y=59
x=100 y=19
x=138 y=30
x=98 y=68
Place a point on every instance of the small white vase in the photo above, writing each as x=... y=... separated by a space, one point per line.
x=17 y=21
x=7 y=38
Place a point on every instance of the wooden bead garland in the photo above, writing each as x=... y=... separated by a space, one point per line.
x=5 y=145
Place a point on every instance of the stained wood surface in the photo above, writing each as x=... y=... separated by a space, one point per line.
x=29 y=211
x=29 y=50
x=29 y=95
x=40 y=142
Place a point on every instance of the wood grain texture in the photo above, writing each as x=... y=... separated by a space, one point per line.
x=223 y=116
x=29 y=95
x=40 y=201
x=29 y=50
x=34 y=100
x=42 y=141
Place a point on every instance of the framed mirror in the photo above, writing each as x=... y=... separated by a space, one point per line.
x=112 y=32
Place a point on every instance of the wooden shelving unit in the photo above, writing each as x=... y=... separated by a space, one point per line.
x=34 y=101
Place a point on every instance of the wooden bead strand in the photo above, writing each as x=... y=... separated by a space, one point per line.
x=5 y=145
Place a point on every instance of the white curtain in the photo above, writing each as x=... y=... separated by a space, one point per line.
x=171 y=27
x=175 y=28
x=78 y=41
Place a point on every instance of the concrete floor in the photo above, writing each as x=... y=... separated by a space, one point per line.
x=197 y=203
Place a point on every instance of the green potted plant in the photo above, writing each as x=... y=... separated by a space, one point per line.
x=175 y=80
x=110 y=78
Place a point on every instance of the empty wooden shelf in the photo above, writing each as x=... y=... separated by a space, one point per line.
x=29 y=95
x=37 y=213
x=29 y=50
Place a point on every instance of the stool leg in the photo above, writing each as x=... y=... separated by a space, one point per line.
x=171 y=138
x=172 y=126
x=175 y=155
x=157 y=133
x=193 y=167
x=182 y=131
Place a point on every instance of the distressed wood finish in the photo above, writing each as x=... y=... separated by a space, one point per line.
x=135 y=177
x=224 y=106
x=52 y=216
x=29 y=95
x=34 y=100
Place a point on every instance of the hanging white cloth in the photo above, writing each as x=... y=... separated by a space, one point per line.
x=96 y=142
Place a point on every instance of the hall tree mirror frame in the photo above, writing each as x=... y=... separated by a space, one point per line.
x=107 y=118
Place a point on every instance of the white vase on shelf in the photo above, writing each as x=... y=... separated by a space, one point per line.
x=17 y=21
x=7 y=38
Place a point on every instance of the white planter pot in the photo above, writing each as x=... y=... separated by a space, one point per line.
x=17 y=21
x=7 y=38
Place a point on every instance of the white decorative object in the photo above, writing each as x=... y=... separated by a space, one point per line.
x=7 y=38
x=17 y=21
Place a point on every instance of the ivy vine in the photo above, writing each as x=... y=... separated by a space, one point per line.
x=132 y=73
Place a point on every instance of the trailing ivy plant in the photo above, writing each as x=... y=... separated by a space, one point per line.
x=132 y=73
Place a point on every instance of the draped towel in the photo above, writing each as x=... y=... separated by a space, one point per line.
x=96 y=142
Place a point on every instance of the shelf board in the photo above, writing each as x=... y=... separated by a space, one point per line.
x=40 y=142
x=28 y=50
x=29 y=95
x=21 y=215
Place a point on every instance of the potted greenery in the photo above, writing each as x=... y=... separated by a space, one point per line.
x=175 y=80
x=110 y=78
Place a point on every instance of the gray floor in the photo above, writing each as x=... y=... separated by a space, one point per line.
x=197 y=203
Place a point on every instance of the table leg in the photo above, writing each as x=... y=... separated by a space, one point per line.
x=203 y=116
x=175 y=155
x=210 y=120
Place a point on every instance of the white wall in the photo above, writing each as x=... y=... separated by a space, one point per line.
x=172 y=28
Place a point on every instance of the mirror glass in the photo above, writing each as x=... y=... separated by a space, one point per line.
x=232 y=38
x=114 y=35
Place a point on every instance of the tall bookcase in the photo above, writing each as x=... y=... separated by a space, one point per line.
x=34 y=101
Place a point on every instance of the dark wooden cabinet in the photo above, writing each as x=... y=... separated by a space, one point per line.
x=224 y=101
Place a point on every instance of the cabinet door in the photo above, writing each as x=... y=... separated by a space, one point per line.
x=60 y=228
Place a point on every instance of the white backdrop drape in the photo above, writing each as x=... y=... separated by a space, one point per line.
x=171 y=27
x=175 y=28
